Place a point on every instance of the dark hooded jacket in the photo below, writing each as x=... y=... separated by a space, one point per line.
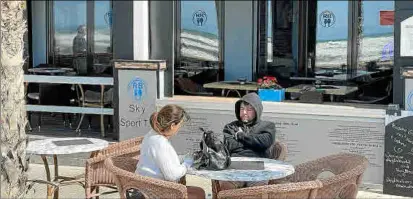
x=259 y=137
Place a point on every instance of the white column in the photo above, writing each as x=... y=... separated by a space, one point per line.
x=140 y=30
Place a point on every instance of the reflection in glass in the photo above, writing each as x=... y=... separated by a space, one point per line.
x=102 y=37
x=376 y=39
x=79 y=42
x=269 y=32
x=69 y=19
x=199 y=46
x=71 y=29
x=199 y=30
x=70 y=34
x=103 y=22
x=331 y=34
x=280 y=23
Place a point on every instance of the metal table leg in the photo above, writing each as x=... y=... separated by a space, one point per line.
x=50 y=188
x=53 y=185
x=102 y=105
x=82 y=94
x=56 y=176
x=238 y=93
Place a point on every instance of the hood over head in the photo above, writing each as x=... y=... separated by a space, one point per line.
x=255 y=101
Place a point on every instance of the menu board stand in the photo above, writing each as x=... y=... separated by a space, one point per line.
x=398 y=153
x=138 y=84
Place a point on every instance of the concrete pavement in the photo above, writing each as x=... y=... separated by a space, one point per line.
x=36 y=171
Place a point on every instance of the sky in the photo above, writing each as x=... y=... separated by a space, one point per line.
x=77 y=12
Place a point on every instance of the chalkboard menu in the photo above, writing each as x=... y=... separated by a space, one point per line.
x=398 y=156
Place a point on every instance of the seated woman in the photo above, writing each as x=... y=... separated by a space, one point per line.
x=158 y=158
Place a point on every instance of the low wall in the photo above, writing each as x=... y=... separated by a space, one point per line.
x=309 y=130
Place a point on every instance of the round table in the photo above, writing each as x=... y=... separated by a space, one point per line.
x=61 y=146
x=273 y=169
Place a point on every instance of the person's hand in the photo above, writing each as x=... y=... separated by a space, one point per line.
x=240 y=134
x=232 y=129
x=188 y=162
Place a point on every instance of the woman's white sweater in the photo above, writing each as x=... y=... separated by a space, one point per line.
x=158 y=159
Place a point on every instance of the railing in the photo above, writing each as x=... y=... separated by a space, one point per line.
x=73 y=80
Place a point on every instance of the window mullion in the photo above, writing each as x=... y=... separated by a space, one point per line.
x=90 y=27
x=353 y=38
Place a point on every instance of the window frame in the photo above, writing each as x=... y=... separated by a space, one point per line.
x=177 y=48
x=303 y=37
x=90 y=28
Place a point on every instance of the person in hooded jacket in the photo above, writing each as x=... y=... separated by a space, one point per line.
x=248 y=136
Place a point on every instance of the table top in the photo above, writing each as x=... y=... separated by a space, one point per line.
x=70 y=145
x=50 y=70
x=234 y=85
x=273 y=169
x=338 y=90
x=338 y=76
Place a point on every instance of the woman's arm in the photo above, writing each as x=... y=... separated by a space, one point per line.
x=167 y=160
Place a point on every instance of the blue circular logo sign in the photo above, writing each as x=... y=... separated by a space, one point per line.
x=199 y=18
x=137 y=89
x=327 y=19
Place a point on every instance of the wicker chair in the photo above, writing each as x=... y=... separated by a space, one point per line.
x=278 y=151
x=300 y=190
x=96 y=174
x=347 y=169
x=189 y=87
x=123 y=169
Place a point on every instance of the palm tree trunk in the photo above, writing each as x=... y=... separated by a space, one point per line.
x=13 y=162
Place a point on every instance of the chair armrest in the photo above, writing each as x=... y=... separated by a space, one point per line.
x=95 y=172
x=278 y=188
x=307 y=171
x=150 y=187
x=334 y=163
x=120 y=146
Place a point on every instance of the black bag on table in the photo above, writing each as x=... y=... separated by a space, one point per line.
x=213 y=155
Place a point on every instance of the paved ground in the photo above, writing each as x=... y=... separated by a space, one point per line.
x=36 y=171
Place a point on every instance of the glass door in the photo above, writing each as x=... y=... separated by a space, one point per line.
x=102 y=38
x=80 y=36
x=69 y=35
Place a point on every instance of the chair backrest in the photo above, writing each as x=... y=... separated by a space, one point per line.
x=123 y=169
x=96 y=174
x=279 y=151
x=187 y=84
x=346 y=169
x=300 y=190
